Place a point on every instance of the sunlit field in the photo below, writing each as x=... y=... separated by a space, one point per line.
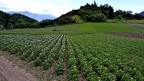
x=78 y=52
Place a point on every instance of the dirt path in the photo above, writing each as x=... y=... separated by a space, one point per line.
x=10 y=72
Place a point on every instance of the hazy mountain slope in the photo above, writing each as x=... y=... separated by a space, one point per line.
x=38 y=17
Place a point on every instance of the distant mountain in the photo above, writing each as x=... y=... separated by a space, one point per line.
x=142 y=13
x=38 y=17
x=16 y=20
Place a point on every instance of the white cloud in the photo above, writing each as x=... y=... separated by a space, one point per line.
x=35 y=6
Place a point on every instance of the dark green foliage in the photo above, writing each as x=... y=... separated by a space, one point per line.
x=35 y=25
x=128 y=15
x=77 y=19
x=94 y=13
x=99 y=17
x=4 y=17
x=2 y=27
x=89 y=13
x=120 y=17
x=21 y=21
x=47 y=22
x=65 y=20
x=111 y=13
x=15 y=21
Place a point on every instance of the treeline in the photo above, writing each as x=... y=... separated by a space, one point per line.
x=87 y=13
x=92 y=13
x=8 y=21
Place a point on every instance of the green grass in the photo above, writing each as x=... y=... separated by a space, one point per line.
x=84 y=28
x=135 y=21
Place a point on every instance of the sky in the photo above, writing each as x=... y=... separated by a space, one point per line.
x=59 y=7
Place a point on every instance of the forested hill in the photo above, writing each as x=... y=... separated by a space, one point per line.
x=8 y=21
x=93 y=13
x=89 y=12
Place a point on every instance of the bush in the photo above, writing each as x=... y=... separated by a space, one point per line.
x=10 y=26
x=47 y=22
x=65 y=20
x=77 y=19
x=120 y=17
x=35 y=25
x=2 y=27
x=97 y=17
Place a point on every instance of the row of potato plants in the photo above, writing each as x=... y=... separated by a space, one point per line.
x=42 y=49
x=108 y=60
x=99 y=57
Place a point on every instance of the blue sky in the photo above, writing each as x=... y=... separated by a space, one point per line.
x=58 y=7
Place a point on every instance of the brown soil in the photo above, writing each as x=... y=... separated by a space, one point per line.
x=81 y=76
x=11 y=72
x=128 y=34
x=23 y=70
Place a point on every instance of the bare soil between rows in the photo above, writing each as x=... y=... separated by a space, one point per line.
x=12 y=68
x=11 y=72
x=128 y=34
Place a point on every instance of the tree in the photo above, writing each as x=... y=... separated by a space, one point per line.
x=77 y=19
x=48 y=22
x=95 y=4
x=65 y=20
x=21 y=24
x=120 y=17
x=97 y=17
x=138 y=16
x=2 y=27
x=10 y=26
x=111 y=13
x=35 y=25
x=4 y=19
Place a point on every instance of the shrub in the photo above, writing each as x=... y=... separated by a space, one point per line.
x=2 y=27
x=96 y=17
x=77 y=19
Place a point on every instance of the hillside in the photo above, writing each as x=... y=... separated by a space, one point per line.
x=15 y=21
x=92 y=13
x=38 y=17
x=3 y=19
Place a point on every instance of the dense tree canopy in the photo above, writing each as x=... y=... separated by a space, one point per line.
x=94 y=13
x=4 y=17
x=128 y=15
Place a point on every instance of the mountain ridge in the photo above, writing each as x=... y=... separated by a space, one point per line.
x=142 y=13
x=38 y=17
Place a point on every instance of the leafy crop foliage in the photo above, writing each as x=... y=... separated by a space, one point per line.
x=97 y=56
x=80 y=51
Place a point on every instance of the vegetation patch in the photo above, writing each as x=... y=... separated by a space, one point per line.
x=128 y=34
x=88 y=56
